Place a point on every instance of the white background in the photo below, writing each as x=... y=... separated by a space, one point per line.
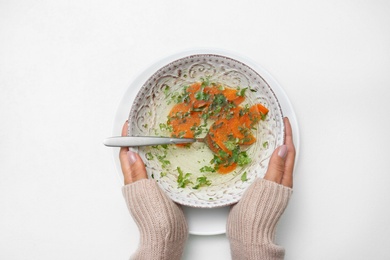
x=65 y=65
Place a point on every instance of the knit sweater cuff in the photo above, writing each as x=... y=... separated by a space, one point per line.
x=161 y=222
x=252 y=221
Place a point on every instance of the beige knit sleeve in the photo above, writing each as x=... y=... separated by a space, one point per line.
x=252 y=221
x=161 y=223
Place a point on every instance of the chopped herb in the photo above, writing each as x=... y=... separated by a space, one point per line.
x=219 y=100
x=243 y=177
x=201 y=95
x=207 y=169
x=235 y=153
x=265 y=144
x=241 y=92
x=216 y=160
x=263 y=116
x=165 y=127
x=177 y=97
x=206 y=81
x=183 y=179
x=230 y=144
x=201 y=181
x=149 y=156
x=181 y=134
x=163 y=174
x=243 y=159
x=198 y=129
x=162 y=159
x=223 y=154
x=166 y=91
x=244 y=110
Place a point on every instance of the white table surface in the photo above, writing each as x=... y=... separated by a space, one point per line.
x=65 y=65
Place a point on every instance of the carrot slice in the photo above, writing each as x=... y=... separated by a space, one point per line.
x=212 y=90
x=230 y=93
x=182 y=119
x=224 y=169
x=192 y=90
x=219 y=134
x=262 y=109
x=238 y=100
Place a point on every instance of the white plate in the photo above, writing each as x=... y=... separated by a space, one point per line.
x=200 y=221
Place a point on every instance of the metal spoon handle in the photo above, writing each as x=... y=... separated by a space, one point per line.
x=132 y=141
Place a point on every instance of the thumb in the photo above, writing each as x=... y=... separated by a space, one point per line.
x=136 y=168
x=276 y=166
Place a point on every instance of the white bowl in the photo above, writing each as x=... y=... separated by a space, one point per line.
x=150 y=108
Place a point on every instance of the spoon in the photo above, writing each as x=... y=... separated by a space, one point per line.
x=133 y=141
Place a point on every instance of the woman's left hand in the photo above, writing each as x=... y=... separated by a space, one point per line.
x=133 y=167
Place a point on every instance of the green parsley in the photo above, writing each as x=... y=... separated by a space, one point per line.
x=241 y=92
x=201 y=181
x=165 y=127
x=207 y=169
x=230 y=144
x=183 y=179
x=206 y=81
x=166 y=91
x=243 y=159
x=149 y=156
x=162 y=159
x=243 y=177
x=201 y=95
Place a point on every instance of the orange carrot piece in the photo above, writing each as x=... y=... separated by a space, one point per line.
x=224 y=169
x=219 y=134
x=238 y=100
x=259 y=108
x=212 y=90
x=192 y=91
x=230 y=93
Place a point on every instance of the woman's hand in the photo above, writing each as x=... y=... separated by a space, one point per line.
x=161 y=222
x=252 y=221
x=133 y=167
x=281 y=164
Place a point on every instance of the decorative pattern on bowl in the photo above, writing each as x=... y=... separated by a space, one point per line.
x=151 y=108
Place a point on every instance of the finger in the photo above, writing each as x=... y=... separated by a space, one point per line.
x=287 y=179
x=123 y=151
x=276 y=165
x=133 y=168
x=137 y=167
x=288 y=131
x=125 y=166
